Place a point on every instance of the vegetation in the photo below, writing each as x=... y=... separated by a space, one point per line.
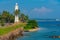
x=31 y=24
x=4 y=30
x=6 y=17
x=24 y=18
x=17 y=12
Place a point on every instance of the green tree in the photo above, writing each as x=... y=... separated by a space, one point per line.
x=0 y=17
x=31 y=24
x=17 y=12
x=24 y=18
x=11 y=18
x=2 y=23
x=5 y=16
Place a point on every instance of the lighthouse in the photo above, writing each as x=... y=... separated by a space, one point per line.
x=16 y=13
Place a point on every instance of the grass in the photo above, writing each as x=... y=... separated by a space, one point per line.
x=5 y=30
x=28 y=27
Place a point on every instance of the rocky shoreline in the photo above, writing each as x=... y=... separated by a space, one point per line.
x=16 y=33
x=12 y=35
x=32 y=30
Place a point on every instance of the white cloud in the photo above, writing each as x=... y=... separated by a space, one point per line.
x=42 y=10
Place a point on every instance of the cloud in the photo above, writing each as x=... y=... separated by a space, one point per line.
x=42 y=10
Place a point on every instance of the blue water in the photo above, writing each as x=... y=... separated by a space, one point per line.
x=48 y=28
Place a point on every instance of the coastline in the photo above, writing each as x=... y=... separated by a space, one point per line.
x=16 y=33
x=12 y=35
x=32 y=30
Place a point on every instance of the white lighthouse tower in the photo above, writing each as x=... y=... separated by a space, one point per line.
x=16 y=15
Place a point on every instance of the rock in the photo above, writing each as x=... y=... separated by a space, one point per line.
x=12 y=35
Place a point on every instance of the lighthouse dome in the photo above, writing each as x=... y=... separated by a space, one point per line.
x=16 y=6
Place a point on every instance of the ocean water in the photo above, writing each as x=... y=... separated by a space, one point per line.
x=47 y=29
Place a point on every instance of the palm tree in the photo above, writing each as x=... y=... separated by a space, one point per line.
x=17 y=12
x=0 y=16
x=22 y=17
x=5 y=16
x=26 y=18
x=11 y=18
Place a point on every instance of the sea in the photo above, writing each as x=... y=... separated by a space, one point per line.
x=46 y=31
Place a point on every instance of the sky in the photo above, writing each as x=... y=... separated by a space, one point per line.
x=42 y=9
